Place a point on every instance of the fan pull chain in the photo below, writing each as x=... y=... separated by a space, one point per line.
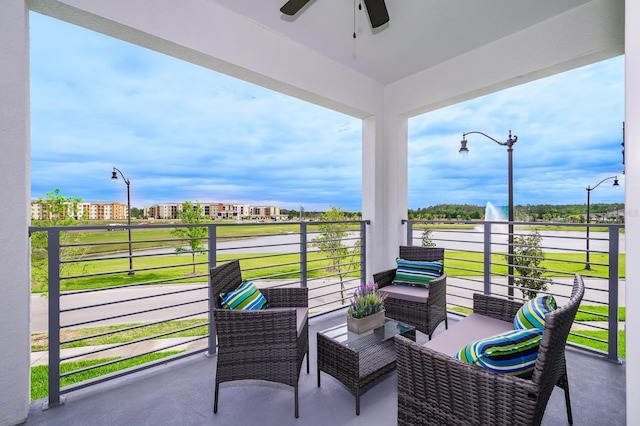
x=354 y=16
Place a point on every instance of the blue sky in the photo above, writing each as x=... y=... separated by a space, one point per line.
x=181 y=132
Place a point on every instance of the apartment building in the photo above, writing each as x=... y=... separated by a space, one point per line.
x=215 y=211
x=88 y=210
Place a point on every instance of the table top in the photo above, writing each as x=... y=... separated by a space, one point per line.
x=358 y=342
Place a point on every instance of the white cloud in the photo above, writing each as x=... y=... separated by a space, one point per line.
x=569 y=129
x=179 y=131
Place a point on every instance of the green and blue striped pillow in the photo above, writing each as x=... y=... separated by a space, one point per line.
x=513 y=352
x=245 y=297
x=532 y=313
x=417 y=273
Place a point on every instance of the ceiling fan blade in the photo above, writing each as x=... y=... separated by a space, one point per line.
x=293 y=6
x=377 y=11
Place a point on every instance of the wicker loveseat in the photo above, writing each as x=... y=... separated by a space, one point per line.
x=267 y=344
x=434 y=388
x=423 y=308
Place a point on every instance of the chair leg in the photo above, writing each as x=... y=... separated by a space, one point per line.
x=567 y=399
x=307 y=362
x=215 y=398
x=295 y=390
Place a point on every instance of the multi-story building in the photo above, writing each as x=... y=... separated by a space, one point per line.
x=215 y=211
x=98 y=210
x=89 y=210
x=163 y=211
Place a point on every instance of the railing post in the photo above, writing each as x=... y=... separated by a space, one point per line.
x=53 y=255
x=212 y=262
x=363 y=252
x=409 y=232
x=303 y=254
x=487 y=258
x=614 y=238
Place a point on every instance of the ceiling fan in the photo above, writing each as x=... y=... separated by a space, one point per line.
x=376 y=9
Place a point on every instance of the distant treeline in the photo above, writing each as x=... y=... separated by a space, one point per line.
x=575 y=213
x=540 y=212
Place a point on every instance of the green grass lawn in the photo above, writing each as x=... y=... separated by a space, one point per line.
x=150 y=237
x=598 y=334
x=565 y=264
x=179 y=269
x=40 y=381
x=121 y=333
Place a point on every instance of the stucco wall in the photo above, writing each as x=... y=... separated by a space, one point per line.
x=14 y=213
x=632 y=206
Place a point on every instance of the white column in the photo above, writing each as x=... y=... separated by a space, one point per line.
x=632 y=206
x=14 y=213
x=384 y=183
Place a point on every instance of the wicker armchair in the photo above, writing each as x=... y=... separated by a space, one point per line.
x=427 y=313
x=436 y=389
x=268 y=344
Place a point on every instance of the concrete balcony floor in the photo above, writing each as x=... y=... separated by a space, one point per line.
x=181 y=393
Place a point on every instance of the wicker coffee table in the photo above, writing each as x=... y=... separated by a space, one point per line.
x=359 y=361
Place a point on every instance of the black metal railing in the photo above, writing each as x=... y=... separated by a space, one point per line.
x=99 y=308
x=154 y=306
x=477 y=260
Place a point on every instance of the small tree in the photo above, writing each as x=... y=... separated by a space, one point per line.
x=426 y=239
x=527 y=257
x=330 y=242
x=58 y=210
x=193 y=236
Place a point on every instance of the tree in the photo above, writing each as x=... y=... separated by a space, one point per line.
x=137 y=213
x=330 y=241
x=527 y=257
x=58 y=210
x=193 y=236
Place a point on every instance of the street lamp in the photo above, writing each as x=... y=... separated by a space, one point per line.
x=464 y=151
x=114 y=175
x=587 y=266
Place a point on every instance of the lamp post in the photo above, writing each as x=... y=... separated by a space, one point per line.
x=587 y=266
x=509 y=144
x=114 y=175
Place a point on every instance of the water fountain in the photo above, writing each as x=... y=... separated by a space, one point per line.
x=493 y=213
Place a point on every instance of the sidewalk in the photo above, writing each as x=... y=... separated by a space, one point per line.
x=42 y=358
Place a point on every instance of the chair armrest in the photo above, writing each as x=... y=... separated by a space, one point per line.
x=495 y=307
x=435 y=387
x=384 y=278
x=438 y=291
x=286 y=297
x=237 y=329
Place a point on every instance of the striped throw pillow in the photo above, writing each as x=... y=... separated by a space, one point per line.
x=416 y=273
x=532 y=313
x=513 y=352
x=245 y=297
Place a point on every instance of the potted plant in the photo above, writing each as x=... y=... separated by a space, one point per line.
x=366 y=310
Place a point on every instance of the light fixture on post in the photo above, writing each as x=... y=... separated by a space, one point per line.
x=464 y=151
x=587 y=265
x=114 y=175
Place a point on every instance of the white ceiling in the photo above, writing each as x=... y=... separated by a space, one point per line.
x=420 y=34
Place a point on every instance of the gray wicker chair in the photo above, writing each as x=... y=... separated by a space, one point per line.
x=268 y=344
x=425 y=316
x=437 y=389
